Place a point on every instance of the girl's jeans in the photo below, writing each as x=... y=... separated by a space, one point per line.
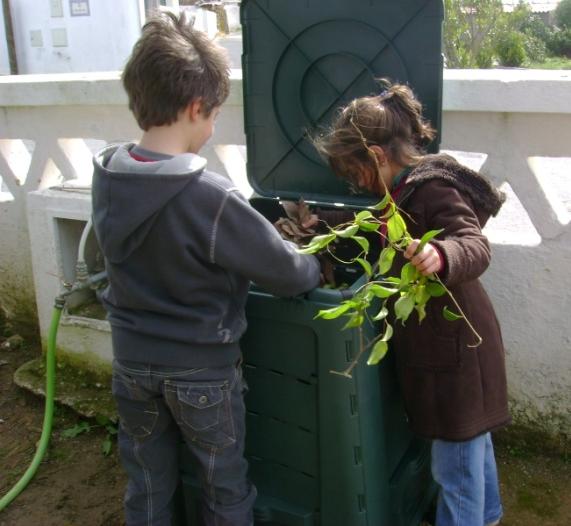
x=466 y=473
x=158 y=407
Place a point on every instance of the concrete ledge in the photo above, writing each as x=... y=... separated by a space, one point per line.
x=507 y=91
x=80 y=89
x=492 y=90
x=86 y=394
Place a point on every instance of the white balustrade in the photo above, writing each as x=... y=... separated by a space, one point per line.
x=515 y=124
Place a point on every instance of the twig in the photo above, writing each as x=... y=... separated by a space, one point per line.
x=347 y=372
x=480 y=340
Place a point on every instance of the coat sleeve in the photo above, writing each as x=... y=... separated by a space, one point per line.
x=245 y=242
x=465 y=248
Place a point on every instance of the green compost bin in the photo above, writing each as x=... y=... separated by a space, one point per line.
x=324 y=450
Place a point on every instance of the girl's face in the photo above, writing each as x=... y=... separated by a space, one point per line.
x=364 y=176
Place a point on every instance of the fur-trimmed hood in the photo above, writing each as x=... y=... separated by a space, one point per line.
x=444 y=167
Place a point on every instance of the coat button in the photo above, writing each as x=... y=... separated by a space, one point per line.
x=203 y=399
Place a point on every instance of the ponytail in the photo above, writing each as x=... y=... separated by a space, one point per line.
x=393 y=120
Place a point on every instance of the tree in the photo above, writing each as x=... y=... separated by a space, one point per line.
x=563 y=14
x=469 y=30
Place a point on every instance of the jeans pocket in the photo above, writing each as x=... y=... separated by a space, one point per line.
x=138 y=411
x=204 y=412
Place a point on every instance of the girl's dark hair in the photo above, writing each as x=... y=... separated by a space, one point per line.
x=392 y=120
x=171 y=66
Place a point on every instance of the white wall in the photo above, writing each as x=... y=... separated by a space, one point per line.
x=99 y=42
x=514 y=122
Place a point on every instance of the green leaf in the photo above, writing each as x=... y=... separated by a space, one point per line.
x=111 y=429
x=408 y=273
x=449 y=315
x=383 y=313
x=356 y=320
x=324 y=239
x=381 y=292
x=421 y=310
x=76 y=430
x=361 y=216
x=366 y=266
x=317 y=243
x=388 y=333
x=384 y=203
x=363 y=242
x=335 y=312
x=366 y=226
x=427 y=237
x=102 y=420
x=350 y=231
x=386 y=259
x=435 y=289
x=391 y=210
x=421 y=295
x=106 y=445
x=378 y=353
x=396 y=227
x=403 y=307
x=392 y=279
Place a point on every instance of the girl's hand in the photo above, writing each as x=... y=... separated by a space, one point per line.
x=427 y=261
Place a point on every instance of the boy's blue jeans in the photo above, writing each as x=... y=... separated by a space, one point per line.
x=157 y=406
x=466 y=473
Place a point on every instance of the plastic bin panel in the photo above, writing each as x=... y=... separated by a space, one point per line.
x=276 y=441
x=277 y=343
x=285 y=484
x=292 y=400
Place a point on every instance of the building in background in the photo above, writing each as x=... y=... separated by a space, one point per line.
x=62 y=36
x=543 y=8
x=65 y=36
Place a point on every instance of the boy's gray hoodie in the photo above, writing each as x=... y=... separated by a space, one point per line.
x=181 y=246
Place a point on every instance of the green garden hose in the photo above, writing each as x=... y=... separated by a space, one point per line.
x=48 y=412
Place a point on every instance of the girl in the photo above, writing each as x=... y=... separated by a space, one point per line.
x=454 y=394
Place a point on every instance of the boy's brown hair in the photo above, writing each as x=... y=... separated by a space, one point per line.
x=171 y=66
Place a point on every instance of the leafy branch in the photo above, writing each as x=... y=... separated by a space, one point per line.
x=410 y=291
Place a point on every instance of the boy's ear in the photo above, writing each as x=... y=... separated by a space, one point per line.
x=380 y=153
x=194 y=109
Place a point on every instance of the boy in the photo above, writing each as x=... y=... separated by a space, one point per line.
x=181 y=247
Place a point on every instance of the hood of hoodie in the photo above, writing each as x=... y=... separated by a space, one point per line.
x=128 y=195
x=484 y=195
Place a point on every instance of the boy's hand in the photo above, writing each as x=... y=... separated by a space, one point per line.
x=310 y=221
x=427 y=261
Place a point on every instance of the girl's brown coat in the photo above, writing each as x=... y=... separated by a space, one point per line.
x=452 y=391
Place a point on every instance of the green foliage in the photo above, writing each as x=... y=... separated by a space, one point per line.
x=410 y=291
x=563 y=14
x=534 y=35
x=511 y=49
x=381 y=348
x=76 y=430
x=470 y=29
x=560 y=43
x=552 y=63
x=478 y=34
x=450 y=316
x=84 y=427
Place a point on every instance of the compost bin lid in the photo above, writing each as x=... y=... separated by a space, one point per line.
x=303 y=59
